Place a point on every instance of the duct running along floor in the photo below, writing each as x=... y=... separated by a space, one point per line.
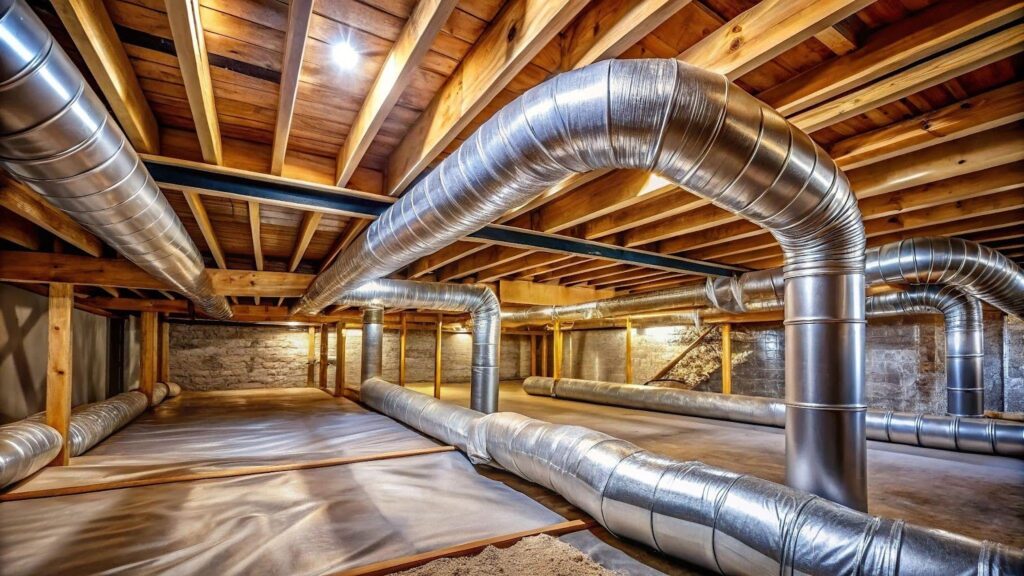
x=975 y=495
x=313 y=521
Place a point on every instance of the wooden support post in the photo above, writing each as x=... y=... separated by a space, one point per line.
x=437 y=358
x=164 y=355
x=115 y=356
x=629 y=351
x=148 y=353
x=402 y=333
x=726 y=359
x=323 y=356
x=556 y=360
x=533 y=354
x=58 y=366
x=311 y=357
x=544 y=355
x=339 y=359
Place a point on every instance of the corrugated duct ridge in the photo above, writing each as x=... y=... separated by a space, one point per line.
x=92 y=423
x=25 y=447
x=57 y=137
x=975 y=269
x=722 y=521
x=965 y=353
x=479 y=301
x=701 y=132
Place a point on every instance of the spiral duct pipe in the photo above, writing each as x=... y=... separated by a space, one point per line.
x=92 y=423
x=976 y=270
x=479 y=301
x=965 y=354
x=57 y=137
x=725 y=522
x=963 y=434
x=25 y=447
x=704 y=134
x=372 y=354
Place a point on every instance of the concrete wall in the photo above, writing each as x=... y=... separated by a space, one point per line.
x=214 y=356
x=23 y=348
x=905 y=361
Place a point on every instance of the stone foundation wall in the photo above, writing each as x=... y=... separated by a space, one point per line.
x=224 y=357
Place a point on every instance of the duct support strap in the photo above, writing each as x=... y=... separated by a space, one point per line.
x=722 y=521
x=706 y=135
x=479 y=301
x=978 y=435
x=372 y=353
x=25 y=447
x=58 y=138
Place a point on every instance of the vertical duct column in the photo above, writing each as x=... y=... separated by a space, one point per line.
x=372 y=364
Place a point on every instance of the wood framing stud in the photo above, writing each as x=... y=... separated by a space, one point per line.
x=402 y=335
x=437 y=357
x=726 y=359
x=190 y=45
x=58 y=366
x=310 y=356
x=300 y=13
x=148 y=351
x=629 y=351
x=339 y=359
x=324 y=362
x=164 y=363
x=556 y=360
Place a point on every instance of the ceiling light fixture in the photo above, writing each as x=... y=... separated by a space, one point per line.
x=345 y=56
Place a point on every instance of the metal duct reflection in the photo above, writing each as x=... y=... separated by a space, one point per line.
x=722 y=521
x=372 y=354
x=173 y=389
x=980 y=435
x=975 y=269
x=57 y=137
x=160 y=392
x=965 y=384
x=479 y=301
x=92 y=423
x=25 y=447
x=704 y=134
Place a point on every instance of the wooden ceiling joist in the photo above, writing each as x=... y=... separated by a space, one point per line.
x=89 y=26
x=607 y=28
x=190 y=45
x=25 y=202
x=17 y=230
x=300 y=13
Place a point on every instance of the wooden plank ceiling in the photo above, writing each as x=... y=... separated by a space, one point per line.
x=919 y=101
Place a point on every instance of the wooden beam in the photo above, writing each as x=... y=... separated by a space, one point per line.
x=310 y=356
x=17 y=230
x=765 y=31
x=910 y=40
x=28 y=204
x=164 y=353
x=617 y=191
x=403 y=333
x=310 y=221
x=148 y=349
x=607 y=28
x=195 y=204
x=58 y=366
x=256 y=284
x=544 y=355
x=629 y=351
x=949 y=65
x=437 y=356
x=339 y=359
x=983 y=112
x=556 y=341
x=190 y=46
x=324 y=363
x=255 y=232
x=486 y=258
x=649 y=211
x=726 y=358
x=412 y=44
x=533 y=355
x=533 y=294
x=300 y=13
x=90 y=27
x=520 y=265
x=514 y=37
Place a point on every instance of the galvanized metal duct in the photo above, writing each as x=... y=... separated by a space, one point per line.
x=976 y=270
x=372 y=354
x=965 y=384
x=704 y=134
x=479 y=301
x=963 y=434
x=57 y=137
x=160 y=392
x=725 y=522
x=92 y=423
x=25 y=447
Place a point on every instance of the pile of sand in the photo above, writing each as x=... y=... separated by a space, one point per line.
x=536 y=556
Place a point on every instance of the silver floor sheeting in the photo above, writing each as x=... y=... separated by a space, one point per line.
x=298 y=522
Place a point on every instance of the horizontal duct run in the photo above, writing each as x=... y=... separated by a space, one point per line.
x=724 y=522
x=479 y=301
x=58 y=138
x=25 y=447
x=979 y=435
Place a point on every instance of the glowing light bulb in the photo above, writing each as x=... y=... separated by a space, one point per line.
x=345 y=56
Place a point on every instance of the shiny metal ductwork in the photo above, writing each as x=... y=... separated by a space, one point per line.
x=963 y=434
x=92 y=423
x=372 y=354
x=724 y=522
x=25 y=447
x=479 y=301
x=976 y=270
x=57 y=137
x=703 y=133
x=965 y=355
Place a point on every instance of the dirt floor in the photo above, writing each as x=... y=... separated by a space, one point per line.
x=536 y=556
x=975 y=495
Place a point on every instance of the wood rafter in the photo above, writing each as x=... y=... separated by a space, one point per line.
x=29 y=205
x=300 y=13
x=190 y=45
